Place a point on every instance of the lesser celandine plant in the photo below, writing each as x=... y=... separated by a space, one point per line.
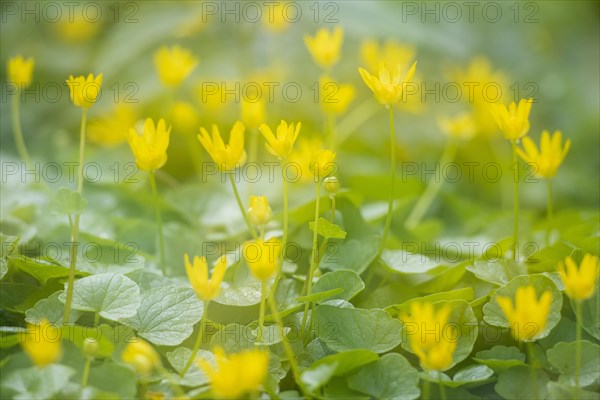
x=84 y=92
x=580 y=284
x=228 y=158
x=388 y=88
x=545 y=161
x=150 y=151
x=20 y=74
x=281 y=145
x=513 y=122
x=206 y=289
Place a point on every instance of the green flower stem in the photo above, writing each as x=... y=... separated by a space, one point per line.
x=198 y=341
x=287 y=348
x=313 y=257
x=550 y=210
x=516 y=203
x=161 y=239
x=176 y=388
x=241 y=206
x=577 y=347
x=442 y=388
x=533 y=370
x=284 y=237
x=75 y=224
x=388 y=218
x=96 y=319
x=86 y=371
x=432 y=189
x=425 y=390
x=18 y=132
x=332 y=215
x=261 y=313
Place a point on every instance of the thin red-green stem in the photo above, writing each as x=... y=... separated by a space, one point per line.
x=161 y=239
x=261 y=313
x=313 y=257
x=18 y=132
x=284 y=237
x=388 y=218
x=241 y=206
x=578 y=322
x=75 y=224
x=189 y=363
x=550 y=208
x=516 y=203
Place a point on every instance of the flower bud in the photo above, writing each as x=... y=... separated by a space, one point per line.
x=332 y=185
x=259 y=211
x=90 y=347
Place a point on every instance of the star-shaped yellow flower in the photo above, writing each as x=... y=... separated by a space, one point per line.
x=227 y=156
x=550 y=155
x=580 y=283
x=389 y=85
x=206 y=289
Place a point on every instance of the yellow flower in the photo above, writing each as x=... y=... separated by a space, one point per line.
x=527 y=315
x=282 y=145
x=274 y=19
x=580 y=283
x=331 y=185
x=481 y=86
x=253 y=112
x=262 y=257
x=20 y=71
x=206 y=289
x=550 y=155
x=325 y=46
x=302 y=158
x=174 y=64
x=141 y=356
x=42 y=343
x=462 y=126
x=334 y=96
x=77 y=28
x=111 y=129
x=150 y=148
x=226 y=156
x=323 y=164
x=391 y=53
x=389 y=86
x=433 y=341
x=259 y=211
x=238 y=374
x=513 y=120
x=84 y=91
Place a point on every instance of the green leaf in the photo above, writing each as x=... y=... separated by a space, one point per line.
x=313 y=379
x=500 y=358
x=517 y=384
x=116 y=378
x=114 y=297
x=562 y=357
x=347 y=361
x=344 y=279
x=493 y=315
x=50 y=309
x=390 y=377
x=499 y=271
x=43 y=269
x=327 y=229
x=560 y=391
x=166 y=316
x=471 y=375
x=590 y=313
x=350 y=328
x=320 y=296
x=403 y=262
x=458 y=294
x=66 y=202
x=194 y=376
x=38 y=383
x=462 y=318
